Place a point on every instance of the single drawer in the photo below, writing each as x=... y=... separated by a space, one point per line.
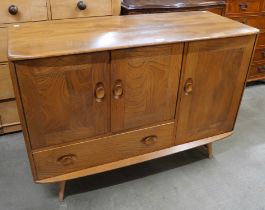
x=256 y=21
x=259 y=55
x=83 y=155
x=257 y=69
x=8 y=115
x=243 y=6
x=12 y=11
x=3 y=44
x=6 y=89
x=75 y=9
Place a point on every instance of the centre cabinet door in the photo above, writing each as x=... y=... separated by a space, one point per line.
x=144 y=85
x=214 y=73
x=65 y=98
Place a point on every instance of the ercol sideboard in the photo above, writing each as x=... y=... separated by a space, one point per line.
x=109 y=92
x=250 y=12
x=17 y=12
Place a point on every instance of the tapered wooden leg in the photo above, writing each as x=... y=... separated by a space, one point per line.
x=61 y=190
x=210 y=150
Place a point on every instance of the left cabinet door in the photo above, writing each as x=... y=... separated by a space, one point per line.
x=65 y=98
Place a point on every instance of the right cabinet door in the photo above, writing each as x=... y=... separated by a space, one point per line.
x=212 y=83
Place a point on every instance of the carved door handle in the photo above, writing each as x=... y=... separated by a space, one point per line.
x=99 y=92
x=188 y=87
x=150 y=140
x=117 y=89
x=67 y=159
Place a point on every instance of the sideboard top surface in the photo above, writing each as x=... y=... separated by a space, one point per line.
x=152 y=4
x=45 y=39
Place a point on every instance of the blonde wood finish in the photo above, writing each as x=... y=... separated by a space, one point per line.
x=117 y=32
x=134 y=160
x=68 y=9
x=210 y=150
x=28 y=10
x=8 y=115
x=3 y=44
x=210 y=107
x=61 y=190
x=61 y=160
x=149 y=77
x=6 y=88
x=56 y=90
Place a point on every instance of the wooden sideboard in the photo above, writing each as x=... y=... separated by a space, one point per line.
x=104 y=96
x=18 y=12
x=250 y=12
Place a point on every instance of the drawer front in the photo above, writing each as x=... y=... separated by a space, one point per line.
x=243 y=6
x=256 y=21
x=79 y=156
x=8 y=115
x=75 y=9
x=12 y=11
x=259 y=55
x=6 y=89
x=3 y=44
x=257 y=70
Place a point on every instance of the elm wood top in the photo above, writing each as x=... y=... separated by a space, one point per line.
x=177 y=4
x=66 y=37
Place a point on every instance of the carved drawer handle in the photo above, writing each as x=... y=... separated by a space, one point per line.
x=261 y=69
x=12 y=9
x=81 y=5
x=67 y=159
x=118 y=89
x=99 y=92
x=243 y=6
x=150 y=140
x=188 y=87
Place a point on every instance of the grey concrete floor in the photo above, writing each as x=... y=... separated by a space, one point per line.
x=233 y=180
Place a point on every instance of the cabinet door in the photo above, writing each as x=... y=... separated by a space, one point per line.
x=65 y=98
x=211 y=86
x=144 y=85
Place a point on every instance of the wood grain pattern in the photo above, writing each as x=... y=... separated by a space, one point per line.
x=149 y=77
x=118 y=32
x=8 y=116
x=68 y=9
x=133 y=160
x=58 y=98
x=6 y=89
x=28 y=10
x=3 y=44
x=75 y=157
x=218 y=70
